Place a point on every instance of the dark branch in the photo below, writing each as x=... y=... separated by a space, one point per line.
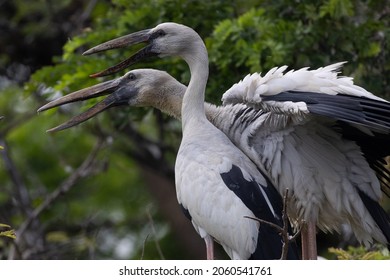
x=284 y=231
x=84 y=170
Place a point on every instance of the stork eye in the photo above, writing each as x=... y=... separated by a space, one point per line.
x=131 y=77
x=161 y=33
x=158 y=33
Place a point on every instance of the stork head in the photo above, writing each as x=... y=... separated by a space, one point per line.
x=137 y=88
x=166 y=39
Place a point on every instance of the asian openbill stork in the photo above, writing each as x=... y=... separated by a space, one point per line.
x=324 y=138
x=217 y=185
x=148 y=87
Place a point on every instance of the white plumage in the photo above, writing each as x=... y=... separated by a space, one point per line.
x=324 y=80
x=217 y=186
x=303 y=141
x=212 y=175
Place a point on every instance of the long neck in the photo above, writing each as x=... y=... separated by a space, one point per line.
x=193 y=101
x=168 y=98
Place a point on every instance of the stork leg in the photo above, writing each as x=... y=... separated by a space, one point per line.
x=209 y=247
x=309 y=242
x=303 y=241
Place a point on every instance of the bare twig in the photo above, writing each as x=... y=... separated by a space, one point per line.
x=287 y=238
x=87 y=12
x=22 y=195
x=275 y=226
x=143 y=247
x=155 y=235
x=85 y=169
x=284 y=231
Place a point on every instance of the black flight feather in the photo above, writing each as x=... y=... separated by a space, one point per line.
x=269 y=245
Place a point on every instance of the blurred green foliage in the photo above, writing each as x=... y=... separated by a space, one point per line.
x=361 y=253
x=110 y=213
x=10 y=233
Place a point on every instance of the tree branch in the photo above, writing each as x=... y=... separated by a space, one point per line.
x=287 y=238
x=155 y=235
x=84 y=170
x=22 y=195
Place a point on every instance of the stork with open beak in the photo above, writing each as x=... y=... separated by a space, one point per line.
x=338 y=180
x=239 y=197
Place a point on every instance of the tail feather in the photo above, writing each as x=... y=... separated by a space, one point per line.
x=379 y=215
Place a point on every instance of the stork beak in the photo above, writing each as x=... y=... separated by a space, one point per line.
x=121 y=42
x=83 y=94
x=119 y=95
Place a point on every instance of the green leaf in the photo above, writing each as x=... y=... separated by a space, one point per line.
x=7 y=233
x=337 y=9
x=4 y=225
x=361 y=253
x=372 y=50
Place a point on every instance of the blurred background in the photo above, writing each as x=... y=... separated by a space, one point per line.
x=105 y=189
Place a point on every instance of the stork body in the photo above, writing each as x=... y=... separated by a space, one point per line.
x=217 y=185
x=309 y=152
x=215 y=182
x=313 y=138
